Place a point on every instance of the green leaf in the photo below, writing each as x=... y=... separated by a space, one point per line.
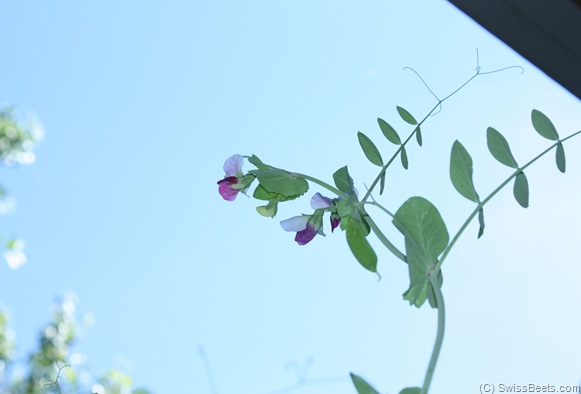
x=404 y=157
x=419 y=135
x=521 y=190
x=426 y=237
x=560 y=157
x=498 y=146
x=281 y=182
x=260 y=193
x=543 y=125
x=343 y=180
x=370 y=150
x=362 y=386
x=382 y=183
x=389 y=132
x=461 y=172
x=254 y=160
x=411 y=390
x=358 y=244
x=431 y=293
x=481 y=222
x=405 y=115
x=346 y=208
x=269 y=210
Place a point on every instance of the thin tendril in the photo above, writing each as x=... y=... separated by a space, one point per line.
x=378 y=205
x=424 y=82
x=522 y=70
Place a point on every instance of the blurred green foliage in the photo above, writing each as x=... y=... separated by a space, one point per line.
x=19 y=135
x=53 y=361
x=51 y=368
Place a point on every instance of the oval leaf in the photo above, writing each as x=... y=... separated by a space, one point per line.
x=362 y=386
x=481 y=222
x=521 y=190
x=411 y=390
x=382 y=183
x=404 y=158
x=260 y=193
x=498 y=146
x=282 y=182
x=370 y=150
x=419 y=135
x=426 y=237
x=389 y=132
x=405 y=115
x=461 y=172
x=343 y=180
x=561 y=163
x=359 y=245
x=543 y=125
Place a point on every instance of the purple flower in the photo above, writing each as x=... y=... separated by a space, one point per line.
x=235 y=181
x=308 y=226
x=304 y=227
x=335 y=221
x=318 y=201
x=321 y=202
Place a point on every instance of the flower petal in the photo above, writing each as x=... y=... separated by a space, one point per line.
x=229 y=180
x=15 y=258
x=335 y=223
x=233 y=165
x=296 y=223
x=320 y=202
x=226 y=192
x=305 y=236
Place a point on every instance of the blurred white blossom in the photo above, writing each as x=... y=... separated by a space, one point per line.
x=14 y=255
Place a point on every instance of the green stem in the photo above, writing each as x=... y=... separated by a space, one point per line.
x=439 y=334
x=379 y=234
x=397 y=152
x=332 y=189
x=503 y=184
x=378 y=205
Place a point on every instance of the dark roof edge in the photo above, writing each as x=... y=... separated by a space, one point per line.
x=532 y=30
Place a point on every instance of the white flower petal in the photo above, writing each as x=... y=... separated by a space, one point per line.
x=233 y=165
x=296 y=223
x=15 y=258
x=320 y=202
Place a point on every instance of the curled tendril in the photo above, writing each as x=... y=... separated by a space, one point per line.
x=424 y=82
x=477 y=73
x=478 y=68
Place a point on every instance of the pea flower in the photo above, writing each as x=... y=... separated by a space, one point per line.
x=321 y=202
x=308 y=226
x=235 y=181
x=305 y=226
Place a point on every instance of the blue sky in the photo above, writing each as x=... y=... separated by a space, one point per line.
x=143 y=102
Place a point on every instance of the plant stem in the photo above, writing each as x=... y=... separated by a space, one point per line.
x=503 y=184
x=379 y=234
x=332 y=189
x=439 y=334
x=378 y=205
x=397 y=152
x=440 y=101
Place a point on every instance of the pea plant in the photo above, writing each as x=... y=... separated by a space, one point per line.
x=425 y=235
